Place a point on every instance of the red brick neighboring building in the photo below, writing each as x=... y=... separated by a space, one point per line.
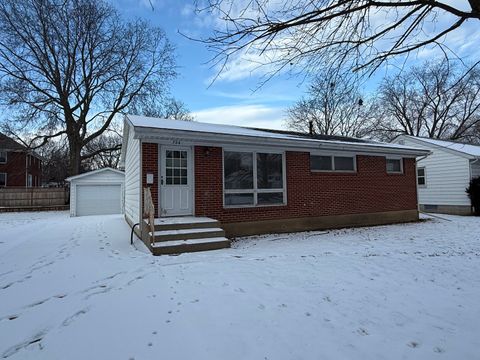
x=19 y=167
x=256 y=181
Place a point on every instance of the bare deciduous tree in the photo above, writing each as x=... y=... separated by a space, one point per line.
x=333 y=105
x=437 y=100
x=69 y=67
x=104 y=150
x=309 y=35
x=169 y=108
x=54 y=162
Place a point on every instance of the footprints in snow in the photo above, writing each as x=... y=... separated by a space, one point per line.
x=73 y=317
x=35 y=339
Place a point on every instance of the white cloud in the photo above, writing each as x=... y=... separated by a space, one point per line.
x=259 y=116
x=289 y=95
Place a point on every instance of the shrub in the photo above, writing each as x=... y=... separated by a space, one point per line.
x=473 y=192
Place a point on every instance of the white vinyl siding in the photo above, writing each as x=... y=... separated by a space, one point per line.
x=132 y=178
x=448 y=175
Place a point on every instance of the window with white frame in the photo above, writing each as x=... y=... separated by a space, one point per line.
x=421 y=177
x=3 y=157
x=3 y=179
x=253 y=178
x=394 y=165
x=333 y=163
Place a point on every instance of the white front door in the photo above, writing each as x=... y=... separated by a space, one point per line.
x=176 y=181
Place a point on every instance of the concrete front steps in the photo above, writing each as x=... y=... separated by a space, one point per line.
x=175 y=235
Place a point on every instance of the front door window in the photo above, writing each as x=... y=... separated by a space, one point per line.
x=176 y=167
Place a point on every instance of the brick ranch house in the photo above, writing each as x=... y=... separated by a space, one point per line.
x=243 y=181
x=19 y=167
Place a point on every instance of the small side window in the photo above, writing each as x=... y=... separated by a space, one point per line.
x=394 y=166
x=3 y=179
x=3 y=157
x=421 y=177
x=332 y=163
x=321 y=163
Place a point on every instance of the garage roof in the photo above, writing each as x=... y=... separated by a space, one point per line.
x=90 y=173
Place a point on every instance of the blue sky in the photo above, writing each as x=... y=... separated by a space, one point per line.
x=231 y=100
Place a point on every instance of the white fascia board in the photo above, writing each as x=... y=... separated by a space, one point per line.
x=210 y=139
x=125 y=133
x=435 y=146
x=76 y=177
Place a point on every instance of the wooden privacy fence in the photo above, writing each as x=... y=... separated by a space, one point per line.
x=21 y=197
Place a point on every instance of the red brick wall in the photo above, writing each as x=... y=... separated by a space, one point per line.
x=150 y=165
x=15 y=169
x=368 y=190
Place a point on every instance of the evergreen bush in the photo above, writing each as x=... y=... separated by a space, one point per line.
x=473 y=192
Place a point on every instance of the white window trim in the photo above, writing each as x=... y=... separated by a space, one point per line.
x=394 y=158
x=333 y=155
x=6 y=156
x=254 y=190
x=6 y=176
x=424 y=177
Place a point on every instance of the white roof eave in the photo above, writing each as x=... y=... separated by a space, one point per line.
x=76 y=177
x=438 y=146
x=148 y=133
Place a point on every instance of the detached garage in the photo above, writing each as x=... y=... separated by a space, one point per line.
x=97 y=192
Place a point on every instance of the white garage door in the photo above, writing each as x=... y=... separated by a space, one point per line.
x=98 y=199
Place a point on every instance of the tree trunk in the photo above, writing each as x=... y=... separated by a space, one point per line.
x=74 y=164
x=475 y=5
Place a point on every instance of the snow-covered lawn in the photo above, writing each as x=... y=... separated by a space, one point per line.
x=74 y=288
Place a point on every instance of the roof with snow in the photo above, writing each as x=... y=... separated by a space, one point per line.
x=94 y=172
x=469 y=149
x=8 y=143
x=148 y=127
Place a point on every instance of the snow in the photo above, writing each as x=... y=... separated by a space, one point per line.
x=195 y=126
x=74 y=288
x=184 y=231
x=183 y=220
x=161 y=244
x=468 y=149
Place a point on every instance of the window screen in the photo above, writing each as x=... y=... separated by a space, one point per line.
x=343 y=163
x=323 y=163
x=269 y=171
x=394 y=165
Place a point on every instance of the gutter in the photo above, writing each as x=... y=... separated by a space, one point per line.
x=209 y=139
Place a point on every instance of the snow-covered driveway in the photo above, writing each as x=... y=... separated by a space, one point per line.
x=74 y=288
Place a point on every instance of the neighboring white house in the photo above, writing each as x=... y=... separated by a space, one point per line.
x=97 y=192
x=443 y=176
